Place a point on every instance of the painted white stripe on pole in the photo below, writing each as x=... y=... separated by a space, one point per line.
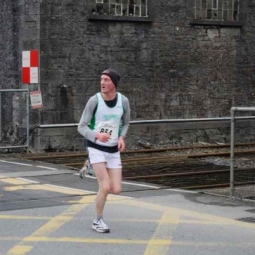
x=33 y=74
x=25 y=58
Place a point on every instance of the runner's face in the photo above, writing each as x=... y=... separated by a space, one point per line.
x=106 y=84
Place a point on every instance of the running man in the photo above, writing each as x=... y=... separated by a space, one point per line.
x=104 y=123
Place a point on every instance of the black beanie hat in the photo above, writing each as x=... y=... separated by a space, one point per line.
x=115 y=77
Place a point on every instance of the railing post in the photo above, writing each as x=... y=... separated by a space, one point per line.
x=0 y=115
x=232 y=145
x=27 y=99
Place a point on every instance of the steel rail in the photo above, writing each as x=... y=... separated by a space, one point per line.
x=218 y=171
x=83 y=154
x=219 y=185
x=171 y=158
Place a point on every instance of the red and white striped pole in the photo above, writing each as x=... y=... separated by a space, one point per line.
x=30 y=66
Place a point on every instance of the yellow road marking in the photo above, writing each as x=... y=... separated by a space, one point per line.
x=91 y=198
x=43 y=187
x=48 y=228
x=166 y=221
x=90 y=240
x=20 y=184
x=13 y=181
x=18 y=217
x=125 y=241
x=58 y=221
x=20 y=250
x=158 y=244
x=10 y=238
x=214 y=220
x=163 y=232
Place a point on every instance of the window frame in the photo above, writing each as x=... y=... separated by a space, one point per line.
x=148 y=18
x=192 y=4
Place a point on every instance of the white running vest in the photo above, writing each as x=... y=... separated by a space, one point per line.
x=108 y=120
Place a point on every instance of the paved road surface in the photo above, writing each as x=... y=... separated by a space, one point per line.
x=47 y=209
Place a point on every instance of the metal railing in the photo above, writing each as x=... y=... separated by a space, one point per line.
x=232 y=145
x=230 y=120
x=161 y=121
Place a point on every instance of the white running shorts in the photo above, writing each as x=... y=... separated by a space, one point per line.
x=112 y=160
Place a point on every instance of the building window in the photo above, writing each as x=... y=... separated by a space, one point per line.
x=216 y=10
x=124 y=8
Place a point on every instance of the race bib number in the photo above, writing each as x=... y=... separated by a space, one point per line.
x=110 y=128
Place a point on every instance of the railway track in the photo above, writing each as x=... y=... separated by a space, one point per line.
x=176 y=167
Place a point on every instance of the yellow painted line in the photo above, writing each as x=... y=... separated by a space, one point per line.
x=166 y=221
x=23 y=184
x=164 y=232
x=10 y=238
x=158 y=242
x=169 y=221
x=61 y=219
x=215 y=244
x=91 y=240
x=215 y=220
x=20 y=250
x=125 y=241
x=45 y=187
x=17 y=217
x=91 y=198
x=14 y=181
x=51 y=226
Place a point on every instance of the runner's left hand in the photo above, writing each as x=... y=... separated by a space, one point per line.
x=121 y=144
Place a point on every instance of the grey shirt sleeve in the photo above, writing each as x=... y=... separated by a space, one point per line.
x=125 y=117
x=83 y=126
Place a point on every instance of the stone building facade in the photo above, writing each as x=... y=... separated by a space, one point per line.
x=178 y=59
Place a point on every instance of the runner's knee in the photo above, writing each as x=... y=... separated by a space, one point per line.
x=115 y=190
x=105 y=188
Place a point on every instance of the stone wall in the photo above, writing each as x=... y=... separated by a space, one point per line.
x=170 y=69
x=9 y=44
x=9 y=64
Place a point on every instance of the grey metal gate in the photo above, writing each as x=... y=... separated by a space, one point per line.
x=14 y=118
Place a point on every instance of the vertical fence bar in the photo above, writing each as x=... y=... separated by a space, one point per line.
x=232 y=145
x=0 y=115
x=27 y=99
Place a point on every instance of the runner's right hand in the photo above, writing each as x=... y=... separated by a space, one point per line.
x=103 y=137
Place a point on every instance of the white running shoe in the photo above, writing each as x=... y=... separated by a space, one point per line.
x=82 y=172
x=86 y=170
x=100 y=226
